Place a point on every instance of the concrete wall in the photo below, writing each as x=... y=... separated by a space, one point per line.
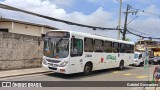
x=20 y=51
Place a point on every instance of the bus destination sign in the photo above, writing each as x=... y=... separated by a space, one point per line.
x=58 y=34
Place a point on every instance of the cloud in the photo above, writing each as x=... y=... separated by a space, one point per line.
x=148 y=22
x=149 y=25
x=149 y=11
x=152 y=8
x=46 y=7
x=99 y=17
x=63 y=2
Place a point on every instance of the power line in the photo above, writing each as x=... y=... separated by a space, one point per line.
x=132 y=19
x=3 y=6
x=139 y=35
x=134 y=34
x=139 y=31
x=144 y=11
x=54 y=19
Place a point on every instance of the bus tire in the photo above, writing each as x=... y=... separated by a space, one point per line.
x=121 y=65
x=87 y=69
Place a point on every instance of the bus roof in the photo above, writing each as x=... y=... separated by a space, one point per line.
x=95 y=36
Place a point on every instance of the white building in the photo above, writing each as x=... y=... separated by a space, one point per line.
x=22 y=27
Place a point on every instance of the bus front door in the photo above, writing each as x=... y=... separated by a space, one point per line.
x=76 y=59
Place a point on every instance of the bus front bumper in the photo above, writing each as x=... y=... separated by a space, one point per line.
x=55 y=69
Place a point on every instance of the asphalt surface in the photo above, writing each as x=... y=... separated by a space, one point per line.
x=130 y=73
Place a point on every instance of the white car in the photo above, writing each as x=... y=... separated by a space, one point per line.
x=139 y=58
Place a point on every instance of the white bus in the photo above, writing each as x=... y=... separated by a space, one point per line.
x=70 y=52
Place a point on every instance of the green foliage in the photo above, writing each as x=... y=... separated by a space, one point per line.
x=127 y=39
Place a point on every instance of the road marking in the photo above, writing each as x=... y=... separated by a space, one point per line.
x=141 y=77
x=128 y=74
x=115 y=72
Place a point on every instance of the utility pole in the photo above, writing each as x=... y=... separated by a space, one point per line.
x=119 y=21
x=125 y=23
x=126 y=18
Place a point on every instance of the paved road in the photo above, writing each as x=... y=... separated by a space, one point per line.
x=130 y=73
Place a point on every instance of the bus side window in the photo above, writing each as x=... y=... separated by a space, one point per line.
x=76 y=47
x=129 y=48
x=122 y=48
x=115 y=47
x=98 y=46
x=108 y=46
x=88 y=45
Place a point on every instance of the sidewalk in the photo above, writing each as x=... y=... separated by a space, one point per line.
x=21 y=72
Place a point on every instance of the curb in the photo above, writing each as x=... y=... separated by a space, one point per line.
x=25 y=74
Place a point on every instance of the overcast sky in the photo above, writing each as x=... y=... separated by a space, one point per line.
x=103 y=13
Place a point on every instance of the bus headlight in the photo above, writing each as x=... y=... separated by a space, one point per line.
x=63 y=64
x=44 y=62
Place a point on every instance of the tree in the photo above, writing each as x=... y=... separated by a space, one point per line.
x=127 y=39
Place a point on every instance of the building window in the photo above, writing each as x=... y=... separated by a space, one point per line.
x=4 y=30
x=43 y=35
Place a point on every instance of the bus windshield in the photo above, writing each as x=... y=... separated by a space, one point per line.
x=136 y=56
x=56 y=47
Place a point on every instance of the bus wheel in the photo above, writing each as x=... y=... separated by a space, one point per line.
x=121 y=65
x=87 y=69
